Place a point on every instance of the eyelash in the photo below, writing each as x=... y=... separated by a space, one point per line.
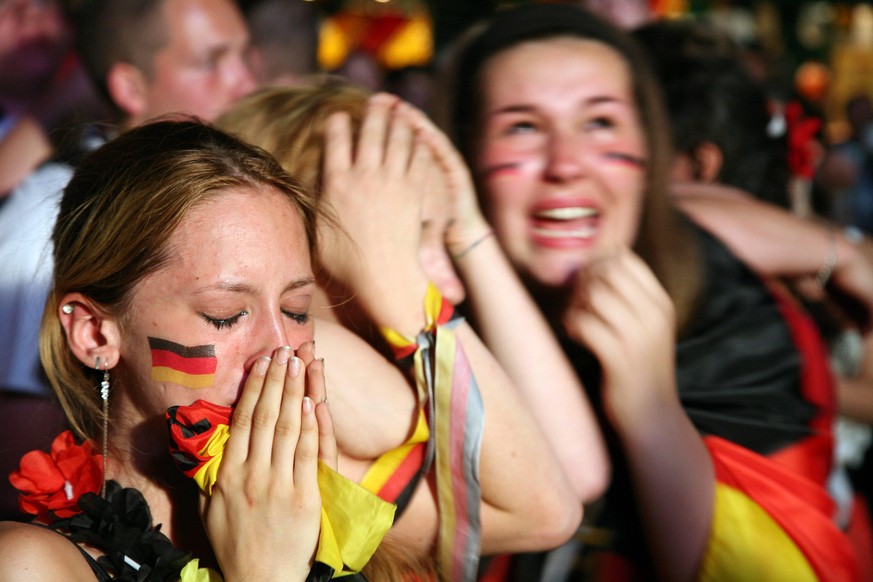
x=228 y=322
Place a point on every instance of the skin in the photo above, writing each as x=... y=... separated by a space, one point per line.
x=243 y=283
x=555 y=114
x=202 y=68
x=547 y=133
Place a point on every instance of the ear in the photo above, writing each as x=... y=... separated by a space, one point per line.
x=127 y=87
x=708 y=160
x=91 y=334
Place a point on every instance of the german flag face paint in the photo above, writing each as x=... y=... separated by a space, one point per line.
x=192 y=367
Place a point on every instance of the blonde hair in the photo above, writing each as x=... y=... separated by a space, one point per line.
x=289 y=122
x=117 y=214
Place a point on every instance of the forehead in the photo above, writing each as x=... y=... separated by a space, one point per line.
x=541 y=69
x=196 y=25
x=241 y=221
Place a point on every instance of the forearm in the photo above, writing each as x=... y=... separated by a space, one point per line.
x=855 y=399
x=24 y=148
x=518 y=335
x=766 y=237
x=674 y=485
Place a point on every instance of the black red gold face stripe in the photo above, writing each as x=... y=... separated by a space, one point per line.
x=192 y=367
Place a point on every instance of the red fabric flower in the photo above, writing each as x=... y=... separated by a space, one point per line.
x=802 y=132
x=51 y=484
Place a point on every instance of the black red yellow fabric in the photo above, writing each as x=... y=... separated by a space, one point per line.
x=448 y=392
x=353 y=520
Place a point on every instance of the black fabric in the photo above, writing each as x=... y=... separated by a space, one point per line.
x=738 y=370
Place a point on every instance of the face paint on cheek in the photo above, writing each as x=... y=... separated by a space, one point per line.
x=631 y=160
x=501 y=169
x=192 y=367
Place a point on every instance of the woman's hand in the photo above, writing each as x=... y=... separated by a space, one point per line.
x=264 y=513
x=622 y=314
x=453 y=188
x=374 y=187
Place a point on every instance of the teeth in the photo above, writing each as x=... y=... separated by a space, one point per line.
x=585 y=232
x=569 y=213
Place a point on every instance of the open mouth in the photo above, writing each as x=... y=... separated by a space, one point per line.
x=566 y=222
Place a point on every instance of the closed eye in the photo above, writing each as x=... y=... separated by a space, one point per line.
x=301 y=318
x=225 y=322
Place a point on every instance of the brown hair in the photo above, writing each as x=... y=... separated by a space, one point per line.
x=117 y=214
x=664 y=239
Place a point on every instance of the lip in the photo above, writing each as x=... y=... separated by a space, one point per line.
x=564 y=223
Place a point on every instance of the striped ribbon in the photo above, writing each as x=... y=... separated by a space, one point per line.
x=448 y=391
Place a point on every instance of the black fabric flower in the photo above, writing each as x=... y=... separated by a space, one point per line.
x=121 y=527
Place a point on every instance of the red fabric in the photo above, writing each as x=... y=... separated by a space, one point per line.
x=50 y=484
x=191 y=427
x=801 y=507
x=812 y=456
x=403 y=474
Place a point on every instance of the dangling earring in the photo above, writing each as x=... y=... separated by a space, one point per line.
x=104 y=395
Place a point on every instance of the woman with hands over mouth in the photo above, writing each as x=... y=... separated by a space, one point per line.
x=560 y=121
x=377 y=174
x=170 y=304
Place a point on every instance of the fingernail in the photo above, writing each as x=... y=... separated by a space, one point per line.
x=307 y=405
x=261 y=365
x=294 y=368
x=282 y=355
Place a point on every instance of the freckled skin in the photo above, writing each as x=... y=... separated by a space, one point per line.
x=253 y=266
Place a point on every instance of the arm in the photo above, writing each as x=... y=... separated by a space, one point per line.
x=24 y=148
x=624 y=316
x=773 y=241
x=376 y=204
x=500 y=306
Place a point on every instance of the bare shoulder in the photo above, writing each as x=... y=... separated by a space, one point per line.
x=32 y=553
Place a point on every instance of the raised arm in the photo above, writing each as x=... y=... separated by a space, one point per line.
x=773 y=241
x=503 y=311
x=623 y=315
x=375 y=193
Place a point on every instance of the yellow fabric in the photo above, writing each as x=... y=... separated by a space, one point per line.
x=745 y=544
x=353 y=522
x=214 y=450
x=383 y=468
x=192 y=572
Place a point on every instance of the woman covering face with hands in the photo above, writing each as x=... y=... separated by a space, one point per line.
x=183 y=281
x=560 y=121
x=376 y=170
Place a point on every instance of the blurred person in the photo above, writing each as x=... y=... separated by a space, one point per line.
x=720 y=120
x=285 y=40
x=44 y=95
x=150 y=58
x=568 y=141
x=626 y=14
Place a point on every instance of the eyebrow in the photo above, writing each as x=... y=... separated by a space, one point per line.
x=591 y=101
x=246 y=289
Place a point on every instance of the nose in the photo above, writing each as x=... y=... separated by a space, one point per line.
x=269 y=333
x=564 y=157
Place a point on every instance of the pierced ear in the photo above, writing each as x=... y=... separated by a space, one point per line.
x=708 y=162
x=127 y=87
x=90 y=332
